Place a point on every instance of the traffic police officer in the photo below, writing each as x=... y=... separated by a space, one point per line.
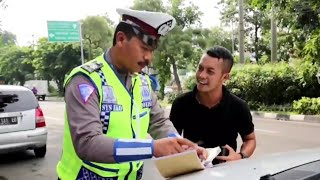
x=110 y=108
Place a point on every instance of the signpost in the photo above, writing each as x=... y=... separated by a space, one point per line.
x=65 y=31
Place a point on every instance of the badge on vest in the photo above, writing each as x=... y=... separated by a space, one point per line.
x=146 y=97
x=109 y=102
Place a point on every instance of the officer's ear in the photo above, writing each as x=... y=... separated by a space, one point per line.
x=121 y=38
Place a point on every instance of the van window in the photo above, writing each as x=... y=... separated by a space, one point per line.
x=14 y=101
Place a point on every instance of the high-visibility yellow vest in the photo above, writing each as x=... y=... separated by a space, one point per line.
x=123 y=114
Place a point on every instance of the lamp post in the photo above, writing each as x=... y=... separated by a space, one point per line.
x=241 y=31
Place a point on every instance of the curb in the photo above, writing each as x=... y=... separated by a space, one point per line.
x=287 y=117
x=54 y=98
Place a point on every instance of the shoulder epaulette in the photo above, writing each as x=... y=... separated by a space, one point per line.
x=92 y=66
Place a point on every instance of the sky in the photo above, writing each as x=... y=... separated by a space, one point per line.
x=27 y=19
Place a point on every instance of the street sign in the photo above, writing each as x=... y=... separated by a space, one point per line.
x=63 y=31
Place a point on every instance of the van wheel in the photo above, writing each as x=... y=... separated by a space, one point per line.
x=40 y=152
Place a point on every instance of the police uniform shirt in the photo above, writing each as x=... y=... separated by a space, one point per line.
x=86 y=127
x=211 y=127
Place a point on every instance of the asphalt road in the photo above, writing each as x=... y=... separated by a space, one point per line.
x=272 y=136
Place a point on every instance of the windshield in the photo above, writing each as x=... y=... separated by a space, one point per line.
x=13 y=101
x=309 y=171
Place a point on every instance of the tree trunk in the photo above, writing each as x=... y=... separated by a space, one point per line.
x=90 y=49
x=176 y=76
x=256 y=41
x=60 y=87
x=256 y=38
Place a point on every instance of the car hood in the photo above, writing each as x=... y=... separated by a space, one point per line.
x=254 y=168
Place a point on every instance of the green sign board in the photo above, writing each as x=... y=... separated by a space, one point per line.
x=63 y=31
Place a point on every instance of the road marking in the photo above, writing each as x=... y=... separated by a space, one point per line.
x=48 y=117
x=267 y=131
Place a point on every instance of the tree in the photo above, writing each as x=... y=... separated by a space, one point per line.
x=255 y=21
x=297 y=21
x=98 y=34
x=150 y=5
x=312 y=48
x=16 y=64
x=185 y=14
x=3 y=6
x=175 y=49
x=207 y=38
x=53 y=61
x=7 y=39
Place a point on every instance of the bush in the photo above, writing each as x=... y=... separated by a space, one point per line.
x=268 y=84
x=172 y=96
x=51 y=89
x=189 y=83
x=274 y=84
x=309 y=106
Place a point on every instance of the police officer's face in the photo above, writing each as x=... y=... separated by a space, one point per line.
x=210 y=74
x=138 y=55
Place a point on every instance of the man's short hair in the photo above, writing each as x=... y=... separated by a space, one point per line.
x=126 y=29
x=224 y=54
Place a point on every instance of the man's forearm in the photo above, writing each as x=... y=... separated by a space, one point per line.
x=249 y=145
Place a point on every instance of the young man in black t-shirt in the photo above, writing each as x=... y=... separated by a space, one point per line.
x=210 y=114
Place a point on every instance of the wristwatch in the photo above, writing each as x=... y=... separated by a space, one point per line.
x=243 y=156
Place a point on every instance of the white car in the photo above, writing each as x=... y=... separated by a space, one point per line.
x=294 y=165
x=22 y=124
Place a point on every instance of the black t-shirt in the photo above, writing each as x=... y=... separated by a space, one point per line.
x=211 y=127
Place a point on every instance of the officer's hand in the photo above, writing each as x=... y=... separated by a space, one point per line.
x=170 y=145
x=232 y=155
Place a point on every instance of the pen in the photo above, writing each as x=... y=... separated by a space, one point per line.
x=182 y=133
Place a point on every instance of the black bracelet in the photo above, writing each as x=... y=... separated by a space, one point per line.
x=243 y=156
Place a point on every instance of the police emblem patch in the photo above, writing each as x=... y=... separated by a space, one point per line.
x=165 y=27
x=146 y=97
x=85 y=91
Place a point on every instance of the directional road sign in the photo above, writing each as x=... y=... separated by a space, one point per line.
x=63 y=31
